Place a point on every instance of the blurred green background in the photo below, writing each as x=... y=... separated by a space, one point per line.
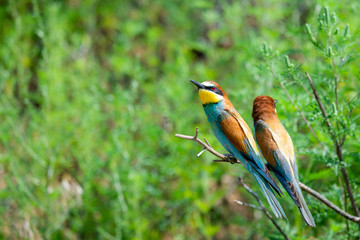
x=93 y=92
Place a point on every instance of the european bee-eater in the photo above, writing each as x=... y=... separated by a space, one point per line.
x=236 y=137
x=277 y=148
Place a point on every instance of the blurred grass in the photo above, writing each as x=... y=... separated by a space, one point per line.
x=94 y=91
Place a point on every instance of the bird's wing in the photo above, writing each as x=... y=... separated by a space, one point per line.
x=239 y=134
x=277 y=147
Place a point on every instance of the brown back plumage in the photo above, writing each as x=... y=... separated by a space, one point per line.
x=277 y=148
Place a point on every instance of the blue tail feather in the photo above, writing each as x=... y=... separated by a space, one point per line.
x=269 y=194
x=285 y=184
x=293 y=189
x=266 y=175
x=305 y=212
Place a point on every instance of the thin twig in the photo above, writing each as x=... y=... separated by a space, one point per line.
x=349 y=190
x=262 y=208
x=321 y=106
x=344 y=201
x=349 y=117
x=230 y=159
x=338 y=147
x=325 y=201
x=248 y=205
x=201 y=152
x=303 y=186
x=298 y=109
x=276 y=77
x=196 y=139
x=336 y=75
x=302 y=115
x=207 y=142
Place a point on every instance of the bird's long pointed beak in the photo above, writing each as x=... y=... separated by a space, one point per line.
x=199 y=85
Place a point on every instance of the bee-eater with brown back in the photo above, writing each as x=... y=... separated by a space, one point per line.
x=236 y=137
x=277 y=148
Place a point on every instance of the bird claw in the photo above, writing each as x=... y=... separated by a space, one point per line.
x=230 y=158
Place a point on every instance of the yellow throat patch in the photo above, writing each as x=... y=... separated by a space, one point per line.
x=207 y=97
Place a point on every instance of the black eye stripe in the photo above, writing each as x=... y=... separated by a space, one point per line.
x=214 y=89
x=218 y=91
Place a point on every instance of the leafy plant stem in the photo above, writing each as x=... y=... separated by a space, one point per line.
x=338 y=147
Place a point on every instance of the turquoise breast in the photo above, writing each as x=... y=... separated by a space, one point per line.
x=215 y=113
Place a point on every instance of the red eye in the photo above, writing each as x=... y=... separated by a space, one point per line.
x=212 y=88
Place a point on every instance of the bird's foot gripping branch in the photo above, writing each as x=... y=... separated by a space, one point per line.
x=228 y=158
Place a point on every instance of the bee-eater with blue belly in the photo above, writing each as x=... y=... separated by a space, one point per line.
x=278 y=150
x=235 y=136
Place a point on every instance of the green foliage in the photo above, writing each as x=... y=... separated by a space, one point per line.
x=334 y=72
x=92 y=93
